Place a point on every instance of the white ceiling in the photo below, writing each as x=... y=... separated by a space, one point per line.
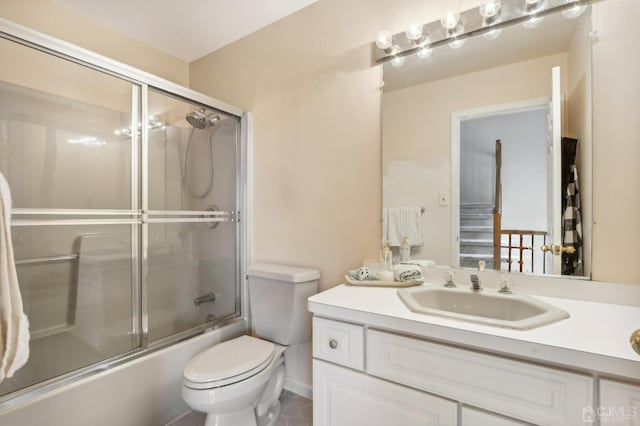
x=187 y=29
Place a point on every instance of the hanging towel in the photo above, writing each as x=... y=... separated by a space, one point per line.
x=14 y=326
x=402 y=222
x=571 y=209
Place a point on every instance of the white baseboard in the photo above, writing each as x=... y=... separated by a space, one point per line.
x=295 y=386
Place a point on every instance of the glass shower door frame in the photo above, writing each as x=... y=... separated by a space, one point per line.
x=138 y=216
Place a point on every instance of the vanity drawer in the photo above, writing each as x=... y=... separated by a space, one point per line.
x=536 y=394
x=338 y=342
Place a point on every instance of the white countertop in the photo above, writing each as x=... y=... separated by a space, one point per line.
x=594 y=338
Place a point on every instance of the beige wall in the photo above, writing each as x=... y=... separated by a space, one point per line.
x=66 y=24
x=616 y=129
x=408 y=134
x=314 y=94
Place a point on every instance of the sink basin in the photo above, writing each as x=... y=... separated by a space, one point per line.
x=487 y=306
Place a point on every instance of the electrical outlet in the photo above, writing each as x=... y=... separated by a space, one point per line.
x=444 y=199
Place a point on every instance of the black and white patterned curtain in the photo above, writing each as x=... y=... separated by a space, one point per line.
x=571 y=209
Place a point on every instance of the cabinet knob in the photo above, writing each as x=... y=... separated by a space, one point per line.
x=635 y=341
x=333 y=344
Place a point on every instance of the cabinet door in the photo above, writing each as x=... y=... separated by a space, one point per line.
x=474 y=417
x=619 y=403
x=343 y=397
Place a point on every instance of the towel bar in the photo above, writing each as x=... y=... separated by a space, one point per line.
x=47 y=259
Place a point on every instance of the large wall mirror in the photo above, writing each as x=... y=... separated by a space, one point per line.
x=488 y=148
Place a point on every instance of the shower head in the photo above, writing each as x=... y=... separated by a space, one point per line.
x=200 y=119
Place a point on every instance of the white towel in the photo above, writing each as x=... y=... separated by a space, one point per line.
x=403 y=273
x=14 y=326
x=402 y=222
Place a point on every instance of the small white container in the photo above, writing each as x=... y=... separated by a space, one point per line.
x=405 y=250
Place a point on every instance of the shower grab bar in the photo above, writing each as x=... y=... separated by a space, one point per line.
x=48 y=259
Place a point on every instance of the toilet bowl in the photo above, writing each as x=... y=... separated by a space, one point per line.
x=239 y=382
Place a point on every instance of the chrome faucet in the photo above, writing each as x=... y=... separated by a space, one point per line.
x=475 y=283
x=207 y=298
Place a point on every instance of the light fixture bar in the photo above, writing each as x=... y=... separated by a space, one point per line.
x=511 y=12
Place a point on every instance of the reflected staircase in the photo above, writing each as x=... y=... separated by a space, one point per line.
x=476 y=234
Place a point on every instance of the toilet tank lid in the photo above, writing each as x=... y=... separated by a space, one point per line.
x=292 y=274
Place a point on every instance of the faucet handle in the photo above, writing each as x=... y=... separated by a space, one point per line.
x=505 y=286
x=475 y=283
x=481 y=265
x=450 y=277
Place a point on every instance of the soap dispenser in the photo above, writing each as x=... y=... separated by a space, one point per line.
x=405 y=250
x=386 y=263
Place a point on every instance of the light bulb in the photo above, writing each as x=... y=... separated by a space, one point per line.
x=533 y=5
x=493 y=34
x=574 y=11
x=450 y=20
x=457 y=43
x=413 y=31
x=490 y=9
x=384 y=40
x=424 y=52
x=397 y=61
x=533 y=22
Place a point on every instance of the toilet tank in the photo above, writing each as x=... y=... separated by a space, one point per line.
x=278 y=299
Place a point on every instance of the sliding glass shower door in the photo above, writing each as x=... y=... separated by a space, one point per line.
x=192 y=234
x=124 y=228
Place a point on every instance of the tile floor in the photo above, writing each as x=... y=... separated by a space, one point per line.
x=295 y=411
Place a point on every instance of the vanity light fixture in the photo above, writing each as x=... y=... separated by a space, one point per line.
x=413 y=32
x=451 y=20
x=488 y=19
x=532 y=5
x=456 y=43
x=397 y=61
x=493 y=34
x=533 y=22
x=424 y=52
x=490 y=10
x=574 y=11
x=384 y=41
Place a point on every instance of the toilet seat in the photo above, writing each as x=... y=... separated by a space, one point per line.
x=228 y=362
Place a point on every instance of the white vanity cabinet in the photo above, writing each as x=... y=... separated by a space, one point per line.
x=405 y=380
x=343 y=397
x=619 y=403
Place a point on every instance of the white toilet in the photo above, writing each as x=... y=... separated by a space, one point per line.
x=238 y=382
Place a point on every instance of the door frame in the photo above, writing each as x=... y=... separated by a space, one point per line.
x=457 y=117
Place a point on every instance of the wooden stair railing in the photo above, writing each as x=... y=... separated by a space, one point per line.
x=497 y=209
x=520 y=247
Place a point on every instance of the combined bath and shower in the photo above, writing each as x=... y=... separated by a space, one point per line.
x=199 y=119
